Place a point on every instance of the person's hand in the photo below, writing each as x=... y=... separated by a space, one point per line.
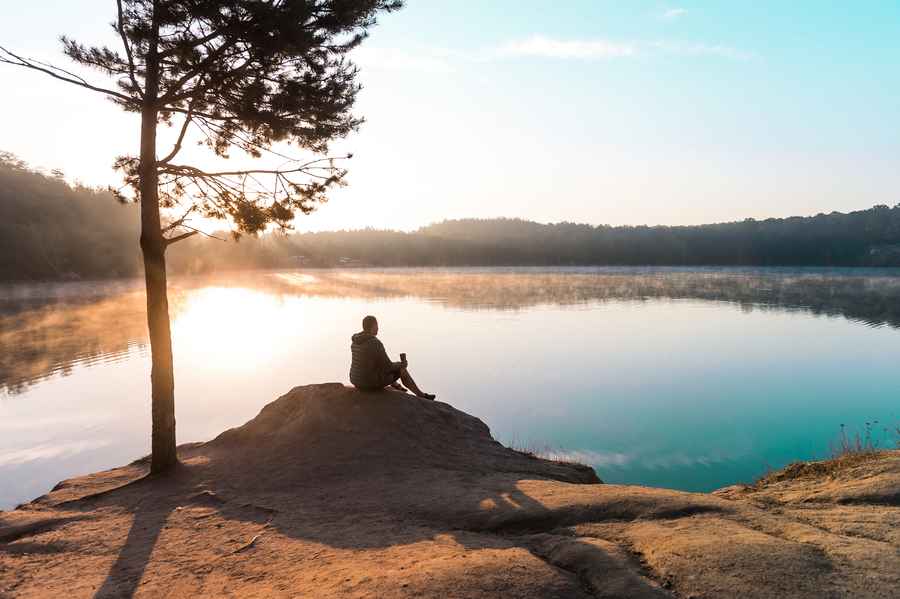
x=403 y=359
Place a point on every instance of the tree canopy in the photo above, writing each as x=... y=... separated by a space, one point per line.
x=243 y=74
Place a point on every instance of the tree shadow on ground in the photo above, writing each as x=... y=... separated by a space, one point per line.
x=126 y=572
x=478 y=512
x=333 y=468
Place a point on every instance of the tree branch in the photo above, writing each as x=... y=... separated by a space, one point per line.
x=75 y=79
x=131 y=68
x=190 y=233
x=170 y=240
x=180 y=221
x=170 y=108
x=197 y=42
x=214 y=128
x=196 y=71
x=183 y=168
x=177 y=148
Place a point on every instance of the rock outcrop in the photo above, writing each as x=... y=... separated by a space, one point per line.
x=330 y=492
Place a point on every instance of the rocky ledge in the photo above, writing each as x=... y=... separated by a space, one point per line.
x=329 y=492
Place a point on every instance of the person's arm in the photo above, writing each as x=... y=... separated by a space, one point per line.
x=401 y=364
x=383 y=360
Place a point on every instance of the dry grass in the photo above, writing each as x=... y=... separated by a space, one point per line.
x=848 y=451
x=819 y=469
x=544 y=452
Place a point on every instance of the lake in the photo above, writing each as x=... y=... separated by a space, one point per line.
x=685 y=378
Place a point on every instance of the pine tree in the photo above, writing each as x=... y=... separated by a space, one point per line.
x=241 y=74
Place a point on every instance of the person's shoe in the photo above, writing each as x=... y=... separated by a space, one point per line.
x=430 y=396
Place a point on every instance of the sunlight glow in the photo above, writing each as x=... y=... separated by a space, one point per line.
x=206 y=326
x=297 y=279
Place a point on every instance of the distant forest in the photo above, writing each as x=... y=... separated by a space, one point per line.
x=52 y=230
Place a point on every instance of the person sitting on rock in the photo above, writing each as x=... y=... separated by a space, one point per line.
x=371 y=369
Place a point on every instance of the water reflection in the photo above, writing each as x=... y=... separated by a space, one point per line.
x=867 y=295
x=690 y=379
x=51 y=337
x=48 y=329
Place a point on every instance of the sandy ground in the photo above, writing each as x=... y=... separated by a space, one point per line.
x=329 y=492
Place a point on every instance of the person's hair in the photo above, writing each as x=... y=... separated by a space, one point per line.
x=368 y=322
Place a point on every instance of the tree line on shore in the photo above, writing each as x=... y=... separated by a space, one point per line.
x=50 y=230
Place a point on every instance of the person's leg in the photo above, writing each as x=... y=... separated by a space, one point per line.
x=412 y=386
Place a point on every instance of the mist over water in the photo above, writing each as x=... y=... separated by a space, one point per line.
x=685 y=378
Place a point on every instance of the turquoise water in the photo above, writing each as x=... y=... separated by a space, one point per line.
x=689 y=379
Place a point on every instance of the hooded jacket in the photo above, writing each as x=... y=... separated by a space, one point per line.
x=370 y=367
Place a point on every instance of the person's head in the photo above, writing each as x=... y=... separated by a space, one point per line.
x=370 y=325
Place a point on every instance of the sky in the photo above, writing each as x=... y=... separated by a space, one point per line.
x=597 y=111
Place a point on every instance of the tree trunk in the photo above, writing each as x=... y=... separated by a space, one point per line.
x=162 y=377
x=153 y=246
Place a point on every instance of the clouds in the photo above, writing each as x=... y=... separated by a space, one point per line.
x=48 y=452
x=670 y=14
x=587 y=456
x=539 y=46
x=426 y=60
x=432 y=60
x=696 y=49
x=647 y=460
x=542 y=46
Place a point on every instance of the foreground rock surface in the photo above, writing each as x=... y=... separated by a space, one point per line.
x=329 y=492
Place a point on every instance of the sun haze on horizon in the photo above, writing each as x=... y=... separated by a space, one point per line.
x=599 y=112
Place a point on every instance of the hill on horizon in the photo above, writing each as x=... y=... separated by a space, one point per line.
x=51 y=230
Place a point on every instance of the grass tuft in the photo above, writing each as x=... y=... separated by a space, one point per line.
x=818 y=469
x=847 y=451
x=544 y=452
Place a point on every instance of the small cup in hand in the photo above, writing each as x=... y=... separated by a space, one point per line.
x=403 y=358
